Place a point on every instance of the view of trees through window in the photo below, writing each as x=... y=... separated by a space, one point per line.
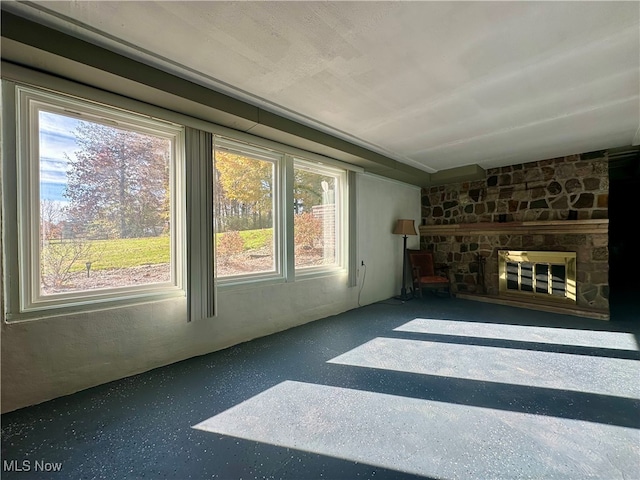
x=105 y=206
x=244 y=210
x=244 y=205
x=100 y=200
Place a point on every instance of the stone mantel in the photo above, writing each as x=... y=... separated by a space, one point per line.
x=562 y=227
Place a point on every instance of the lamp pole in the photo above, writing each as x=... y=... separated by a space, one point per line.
x=404 y=227
x=403 y=291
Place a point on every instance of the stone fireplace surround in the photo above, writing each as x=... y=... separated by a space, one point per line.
x=550 y=205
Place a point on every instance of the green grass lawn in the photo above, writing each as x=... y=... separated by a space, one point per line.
x=254 y=239
x=125 y=252
x=134 y=252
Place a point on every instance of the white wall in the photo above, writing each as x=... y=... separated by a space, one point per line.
x=380 y=203
x=50 y=357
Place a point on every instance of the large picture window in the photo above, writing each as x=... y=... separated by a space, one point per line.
x=99 y=204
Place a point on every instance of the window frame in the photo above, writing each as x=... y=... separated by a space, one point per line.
x=277 y=158
x=341 y=218
x=29 y=102
x=284 y=238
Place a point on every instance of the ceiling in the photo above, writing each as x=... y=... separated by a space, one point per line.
x=435 y=85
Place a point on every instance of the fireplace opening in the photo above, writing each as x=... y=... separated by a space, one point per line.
x=546 y=275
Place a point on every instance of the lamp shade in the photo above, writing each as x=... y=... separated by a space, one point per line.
x=405 y=227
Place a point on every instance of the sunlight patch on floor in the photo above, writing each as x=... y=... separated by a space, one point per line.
x=581 y=373
x=434 y=439
x=521 y=333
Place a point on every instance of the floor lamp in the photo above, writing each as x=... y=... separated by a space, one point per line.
x=404 y=227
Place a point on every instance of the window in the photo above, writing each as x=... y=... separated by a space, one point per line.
x=246 y=211
x=99 y=202
x=318 y=225
x=267 y=232
x=103 y=206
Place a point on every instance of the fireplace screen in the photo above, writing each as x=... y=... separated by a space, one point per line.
x=546 y=275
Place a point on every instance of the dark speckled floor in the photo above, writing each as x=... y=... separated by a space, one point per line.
x=433 y=388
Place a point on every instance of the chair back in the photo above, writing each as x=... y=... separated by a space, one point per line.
x=423 y=260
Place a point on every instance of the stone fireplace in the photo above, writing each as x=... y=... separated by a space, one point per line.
x=557 y=205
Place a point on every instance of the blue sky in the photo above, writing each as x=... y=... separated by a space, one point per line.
x=56 y=139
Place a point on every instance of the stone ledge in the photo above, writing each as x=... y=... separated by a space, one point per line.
x=537 y=305
x=522 y=228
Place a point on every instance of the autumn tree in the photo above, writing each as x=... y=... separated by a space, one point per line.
x=244 y=191
x=118 y=182
x=307 y=189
